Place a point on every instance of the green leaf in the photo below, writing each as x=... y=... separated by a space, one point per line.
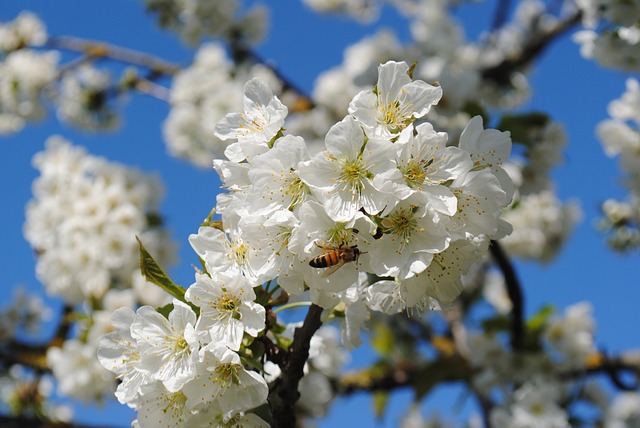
x=383 y=339
x=380 y=401
x=521 y=125
x=539 y=320
x=496 y=324
x=154 y=273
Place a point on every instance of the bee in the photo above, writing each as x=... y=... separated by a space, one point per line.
x=334 y=257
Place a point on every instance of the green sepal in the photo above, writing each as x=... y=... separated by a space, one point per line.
x=538 y=322
x=154 y=274
x=272 y=141
x=165 y=310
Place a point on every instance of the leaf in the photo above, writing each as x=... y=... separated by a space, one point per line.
x=380 y=401
x=383 y=339
x=521 y=125
x=539 y=320
x=496 y=324
x=154 y=273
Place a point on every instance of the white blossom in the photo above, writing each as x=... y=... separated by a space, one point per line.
x=227 y=308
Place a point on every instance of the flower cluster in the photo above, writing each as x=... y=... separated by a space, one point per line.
x=387 y=194
x=195 y=19
x=83 y=221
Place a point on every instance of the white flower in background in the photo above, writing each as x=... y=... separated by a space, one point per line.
x=168 y=348
x=572 y=335
x=316 y=394
x=222 y=379
x=627 y=107
x=194 y=20
x=624 y=411
x=84 y=99
x=396 y=103
x=495 y=292
x=25 y=30
x=118 y=352
x=201 y=95
x=78 y=372
x=253 y=129
x=325 y=352
x=335 y=88
x=541 y=225
x=362 y=10
x=24 y=74
x=227 y=308
x=535 y=405
x=342 y=176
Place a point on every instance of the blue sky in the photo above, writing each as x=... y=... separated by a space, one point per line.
x=572 y=90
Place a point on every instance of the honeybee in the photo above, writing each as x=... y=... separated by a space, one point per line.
x=334 y=257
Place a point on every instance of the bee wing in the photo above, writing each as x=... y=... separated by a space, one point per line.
x=331 y=269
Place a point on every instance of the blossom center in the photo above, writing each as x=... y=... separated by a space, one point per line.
x=228 y=303
x=402 y=223
x=295 y=189
x=227 y=374
x=240 y=253
x=175 y=403
x=353 y=174
x=415 y=172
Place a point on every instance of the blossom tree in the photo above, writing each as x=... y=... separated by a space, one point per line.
x=387 y=209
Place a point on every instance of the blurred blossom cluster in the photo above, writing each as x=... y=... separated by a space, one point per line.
x=611 y=35
x=83 y=221
x=620 y=136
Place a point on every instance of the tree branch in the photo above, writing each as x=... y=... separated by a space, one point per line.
x=284 y=395
x=514 y=289
x=501 y=73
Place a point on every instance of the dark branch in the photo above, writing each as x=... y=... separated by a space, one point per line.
x=284 y=394
x=514 y=289
x=501 y=73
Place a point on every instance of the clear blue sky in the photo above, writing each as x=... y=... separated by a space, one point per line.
x=573 y=91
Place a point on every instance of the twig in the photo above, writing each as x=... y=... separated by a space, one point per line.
x=97 y=49
x=284 y=395
x=514 y=289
